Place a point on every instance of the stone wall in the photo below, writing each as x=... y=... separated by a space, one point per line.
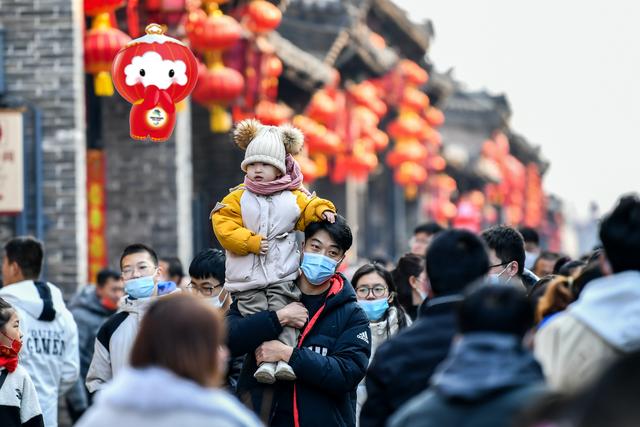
x=140 y=186
x=42 y=65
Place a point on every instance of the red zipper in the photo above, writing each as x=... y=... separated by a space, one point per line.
x=336 y=287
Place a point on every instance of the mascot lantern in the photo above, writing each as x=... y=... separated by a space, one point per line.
x=154 y=73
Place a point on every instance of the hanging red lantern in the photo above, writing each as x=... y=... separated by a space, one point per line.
x=211 y=32
x=437 y=163
x=272 y=66
x=414 y=99
x=407 y=152
x=96 y=7
x=322 y=107
x=435 y=117
x=154 y=72
x=379 y=138
x=410 y=173
x=406 y=126
x=101 y=44
x=217 y=87
x=271 y=113
x=262 y=16
x=308 y=168
x=413 y=73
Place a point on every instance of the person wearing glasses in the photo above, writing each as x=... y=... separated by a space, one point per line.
x=141 y=274
x=206 y=273
x=376 y=294
x=506 y=255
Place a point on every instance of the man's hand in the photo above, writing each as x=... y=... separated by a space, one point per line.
x=273 y=351
x=329 y=216
x=294 y=315
x=264 y=246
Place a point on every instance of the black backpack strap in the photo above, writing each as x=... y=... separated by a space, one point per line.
x=3 y=376
x=48 y=312
x=109 y=327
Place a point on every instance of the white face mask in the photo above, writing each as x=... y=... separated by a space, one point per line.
x=497 y=278
x=215 y=301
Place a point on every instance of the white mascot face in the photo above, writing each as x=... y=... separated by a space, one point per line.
x=151 y=70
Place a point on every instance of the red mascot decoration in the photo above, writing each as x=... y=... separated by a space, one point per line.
x=154 y=73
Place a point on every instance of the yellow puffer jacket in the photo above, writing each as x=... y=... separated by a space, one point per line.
x=244 y=218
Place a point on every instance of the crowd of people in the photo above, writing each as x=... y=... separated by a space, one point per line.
x=463 y=330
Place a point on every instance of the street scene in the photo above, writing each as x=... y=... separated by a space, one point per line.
x=301 y=213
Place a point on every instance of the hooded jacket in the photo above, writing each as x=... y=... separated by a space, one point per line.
x=486 y=379
x=156 y=397
x=50 y=343
x=115 y=340
x=402 y=366
x=244 y=218
x=19 y=405
x=330 y=360
x=603 y=324
x=89 y=314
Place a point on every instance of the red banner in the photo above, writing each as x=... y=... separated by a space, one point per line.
x=96 y=211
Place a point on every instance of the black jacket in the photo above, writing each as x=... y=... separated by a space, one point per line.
x=402 y=366
x=330 y=360
x=486 y=379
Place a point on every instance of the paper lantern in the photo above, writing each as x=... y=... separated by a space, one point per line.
x=154 y=72
x=435 y=117
x=96 y=7
x=262 y=16
x=101 y=44
x=217 y=87
x=211 y=32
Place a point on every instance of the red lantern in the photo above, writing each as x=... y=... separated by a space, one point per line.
x=414 y=99
x=435 y=117
x=410 y=173
x=308 y=168
x=154 y=72
x=96 y=7
x=379 y=138
x=407 y=126
x=217 y=87
x=322 y=107
x=407 y=152
x=270 y=113
x=215 y=31
x=413 y=73
x=101 y=44
x=262 y=16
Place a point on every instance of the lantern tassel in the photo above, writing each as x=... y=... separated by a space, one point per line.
x=219 y=119
x=102 y=84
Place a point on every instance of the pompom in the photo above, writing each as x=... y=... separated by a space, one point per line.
x=245 y=131
x=292 y=138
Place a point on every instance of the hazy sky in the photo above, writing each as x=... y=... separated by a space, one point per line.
x=571 y=70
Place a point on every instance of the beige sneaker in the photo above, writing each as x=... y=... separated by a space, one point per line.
x=266 y=373
x=284 y=372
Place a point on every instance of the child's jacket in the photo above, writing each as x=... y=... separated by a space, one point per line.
x=243 y=217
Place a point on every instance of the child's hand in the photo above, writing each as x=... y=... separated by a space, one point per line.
x=264 y=247
x=329 y=216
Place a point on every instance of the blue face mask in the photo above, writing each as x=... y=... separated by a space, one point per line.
x=142 y=287
x=317 y=268
x=374 y=309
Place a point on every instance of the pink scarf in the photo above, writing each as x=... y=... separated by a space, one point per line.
x=292 y=180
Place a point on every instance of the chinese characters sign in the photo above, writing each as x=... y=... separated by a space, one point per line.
x=11 y=162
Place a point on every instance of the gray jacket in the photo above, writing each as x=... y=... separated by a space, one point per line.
x=89 y=314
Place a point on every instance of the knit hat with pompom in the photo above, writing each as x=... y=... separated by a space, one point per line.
x=267 y=144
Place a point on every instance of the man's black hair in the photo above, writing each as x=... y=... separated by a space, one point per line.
x=428 y=228
x=104 y=275
x=175 y=266
x=339 y=231
x=208 y=263
x=530 y=235
x=620 y=235
x=507 y=243
x=137 y=248
x=455 y=258
x=28 y=253
x=496 y=308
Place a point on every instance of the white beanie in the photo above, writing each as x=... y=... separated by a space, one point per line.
x=267 y=144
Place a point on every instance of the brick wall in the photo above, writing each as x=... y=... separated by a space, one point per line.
x=141 y=186
x=41 y=70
